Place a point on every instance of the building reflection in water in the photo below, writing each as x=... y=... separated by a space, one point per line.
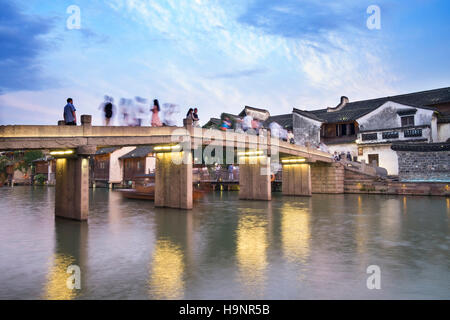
x=166 y=279
x=360 y=206
x=391 y=218
x=295 y=232
x=251 y=251
x=70 y=249
x=361 y=228
x=405 y=207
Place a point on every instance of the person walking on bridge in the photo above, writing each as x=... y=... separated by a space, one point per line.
x=156 y=122
x=108 y=109
x=70 y=117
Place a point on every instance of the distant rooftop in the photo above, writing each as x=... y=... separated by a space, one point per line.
x=106 y=150
x=139 y=152
x=354 y=110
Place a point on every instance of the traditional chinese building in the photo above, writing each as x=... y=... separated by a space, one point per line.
x=137 y=162
x=108 y=169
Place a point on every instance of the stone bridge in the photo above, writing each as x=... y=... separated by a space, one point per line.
x=72 y=145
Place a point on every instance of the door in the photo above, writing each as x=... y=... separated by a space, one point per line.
x=372 y=158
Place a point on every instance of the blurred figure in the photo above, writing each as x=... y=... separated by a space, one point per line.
x=125 y=115
x=70 y=117
x=256 y=125
x=140 y=111
x=290 y=137
x=283 y=134
x=275 y=129
x=247 y=123
x=195 y=118
x=108 y=110
x=169 y=114
x=323 y=147
x=156 y=122
x=226 y=124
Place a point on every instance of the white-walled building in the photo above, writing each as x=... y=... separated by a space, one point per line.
x=368 y=128
x=108 y=170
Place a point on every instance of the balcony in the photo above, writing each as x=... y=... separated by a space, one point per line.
x=338 y=140
x=395 y=134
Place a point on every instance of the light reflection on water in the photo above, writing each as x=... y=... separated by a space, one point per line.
x=251 y=251
x=287 y=248
x=166 y=276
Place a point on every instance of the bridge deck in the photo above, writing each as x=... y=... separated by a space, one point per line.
x=22 y=137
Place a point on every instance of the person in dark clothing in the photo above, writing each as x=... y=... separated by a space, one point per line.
x=189 y=114
x=70 y=117
x=195 y=118
x=349 y=156
x=108 y=109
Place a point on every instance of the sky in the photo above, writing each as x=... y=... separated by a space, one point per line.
x=216 y=55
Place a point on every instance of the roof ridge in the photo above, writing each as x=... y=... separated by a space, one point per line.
x=402 y=95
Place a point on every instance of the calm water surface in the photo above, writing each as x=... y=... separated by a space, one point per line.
x=289 y=248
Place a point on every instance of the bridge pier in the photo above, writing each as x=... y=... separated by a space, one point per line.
x=173 y=180
x=296 y=179
x=327 y=177
x=254 y=179
x=72 y=188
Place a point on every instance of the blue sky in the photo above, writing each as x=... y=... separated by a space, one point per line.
x=217 y=55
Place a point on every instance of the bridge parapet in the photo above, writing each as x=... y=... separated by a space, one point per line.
x=20 y=137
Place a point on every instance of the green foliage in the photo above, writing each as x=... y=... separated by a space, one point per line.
x=28 y=158
x=40 y=179
x=3 y=163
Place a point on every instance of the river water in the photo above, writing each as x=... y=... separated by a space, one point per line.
x=288 y=248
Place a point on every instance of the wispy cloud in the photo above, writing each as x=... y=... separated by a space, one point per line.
x=239 y=73
x=305 y=19
x=21 y=40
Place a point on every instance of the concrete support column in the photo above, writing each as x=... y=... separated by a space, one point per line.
x=72 y=188
x=254 y=179
x=173 y=180
x=296 y=179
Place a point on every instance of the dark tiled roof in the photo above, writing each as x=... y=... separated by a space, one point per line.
x=421 y=147
x=308 y=114
x=284 y=120
x=139 y=152
x=106 y=150
x=243 y=114
x=354 y=110
x=213 y=122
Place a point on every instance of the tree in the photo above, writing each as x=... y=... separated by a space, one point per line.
x=28 y=158
x=4 y=161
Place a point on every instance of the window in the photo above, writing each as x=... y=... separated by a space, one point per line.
x=369 y=136
x=138 y=165
x=412 y=133
x=390 y=135
x=407 y=121
x=352 y=129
